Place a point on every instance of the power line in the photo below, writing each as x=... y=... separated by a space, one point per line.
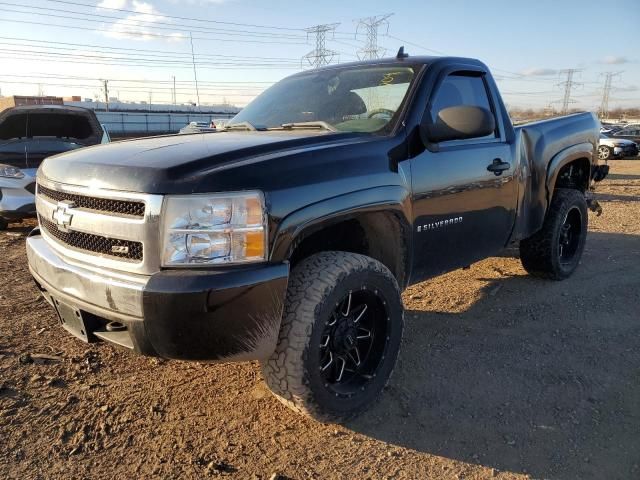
x=127 y=57
x=240 y=85
x=321 y=55
x=371 y=25
x=271 y=27
x=146 y=34
x=144 y=50
x=128 y=22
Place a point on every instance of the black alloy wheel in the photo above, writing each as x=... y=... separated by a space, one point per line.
x=569 y=237
x=354 y=342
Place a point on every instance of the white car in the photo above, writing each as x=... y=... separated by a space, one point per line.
x=29 y=134
x=610 y=148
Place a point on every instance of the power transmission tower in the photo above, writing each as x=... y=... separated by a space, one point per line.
x=321 y=55
x=568 y=85
x=371 y=25
x=606 y=90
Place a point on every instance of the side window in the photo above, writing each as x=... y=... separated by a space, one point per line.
x=629 y=131
x=461 y=89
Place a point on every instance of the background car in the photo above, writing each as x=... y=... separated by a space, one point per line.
x=610 y=148
x=28 y=135
x=629 y=132
x=198 y=127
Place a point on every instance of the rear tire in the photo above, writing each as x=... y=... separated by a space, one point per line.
x=555 y=251
x=340 y=336
x=4 y=223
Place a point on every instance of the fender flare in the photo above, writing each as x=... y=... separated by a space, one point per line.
x=390 y=200
x=564 y=157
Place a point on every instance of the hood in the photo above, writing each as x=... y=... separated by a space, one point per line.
x=610 y=142
x=178 y=163
x=75 y=124
x=29 y=134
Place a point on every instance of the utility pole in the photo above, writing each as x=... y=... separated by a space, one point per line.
x=320 y=56
x=195 y=75
x=106 y=93
x=174 y=90
x=371 y=25
x=568 y=84
x=606 y=90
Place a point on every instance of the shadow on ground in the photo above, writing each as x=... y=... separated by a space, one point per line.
x=540 y=377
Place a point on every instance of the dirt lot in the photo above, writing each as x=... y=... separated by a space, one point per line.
x=500 y=376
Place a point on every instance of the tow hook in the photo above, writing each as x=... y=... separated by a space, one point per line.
x=115 y=327
x=594 y=206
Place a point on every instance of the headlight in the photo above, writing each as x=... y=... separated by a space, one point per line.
x=214 y=229
x=11 y=172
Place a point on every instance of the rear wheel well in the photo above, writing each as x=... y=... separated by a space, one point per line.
x=376 y=235
x=574 y=175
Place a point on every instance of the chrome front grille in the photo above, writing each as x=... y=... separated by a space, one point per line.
x=106 y=228
x=107 y=205
x=95 y=243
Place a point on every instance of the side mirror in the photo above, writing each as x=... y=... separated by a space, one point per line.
x=459 y=123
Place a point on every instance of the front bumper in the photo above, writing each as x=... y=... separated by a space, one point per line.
x=16 y=197
x=182 y=314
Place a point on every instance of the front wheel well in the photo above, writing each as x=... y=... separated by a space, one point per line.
x=377 y=235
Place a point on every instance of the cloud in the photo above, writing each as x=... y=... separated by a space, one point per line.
x=614 y=60
x=112 y=4
x=537 y=72
x=199 y=2
x=139 y=25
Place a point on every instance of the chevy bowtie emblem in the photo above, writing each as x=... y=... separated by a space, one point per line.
x=62 y=216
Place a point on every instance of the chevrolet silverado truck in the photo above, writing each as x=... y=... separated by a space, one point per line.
x=288 y=237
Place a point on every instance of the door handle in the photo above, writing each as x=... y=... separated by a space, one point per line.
x=498 y=166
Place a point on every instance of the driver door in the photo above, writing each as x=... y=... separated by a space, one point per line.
x=463 y=212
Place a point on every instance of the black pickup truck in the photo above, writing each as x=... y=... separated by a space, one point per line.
x=289 y=237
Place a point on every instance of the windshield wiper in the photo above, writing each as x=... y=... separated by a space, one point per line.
x=242 y=126
x=319 y=124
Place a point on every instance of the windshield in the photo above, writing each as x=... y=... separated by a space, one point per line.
x=352 y=99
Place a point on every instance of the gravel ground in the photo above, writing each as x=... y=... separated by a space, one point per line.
x=500 y=376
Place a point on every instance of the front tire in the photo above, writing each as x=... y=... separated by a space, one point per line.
x=340 y=336
x=555 y=251
x=4 y=223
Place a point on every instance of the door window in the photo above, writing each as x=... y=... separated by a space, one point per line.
x=461 y=89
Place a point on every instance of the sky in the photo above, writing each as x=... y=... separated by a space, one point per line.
x=240 y=47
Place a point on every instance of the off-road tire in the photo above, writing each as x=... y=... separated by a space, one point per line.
x=4 y=223
x=540 y=253
x=315 y=287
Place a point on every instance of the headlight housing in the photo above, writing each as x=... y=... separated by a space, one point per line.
x=215 y=229
x=10 y=172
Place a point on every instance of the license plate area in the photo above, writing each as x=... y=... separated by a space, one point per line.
x=72 y=320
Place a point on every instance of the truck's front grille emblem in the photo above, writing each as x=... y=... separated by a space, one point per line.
x=61 y=215
x=94 y=243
